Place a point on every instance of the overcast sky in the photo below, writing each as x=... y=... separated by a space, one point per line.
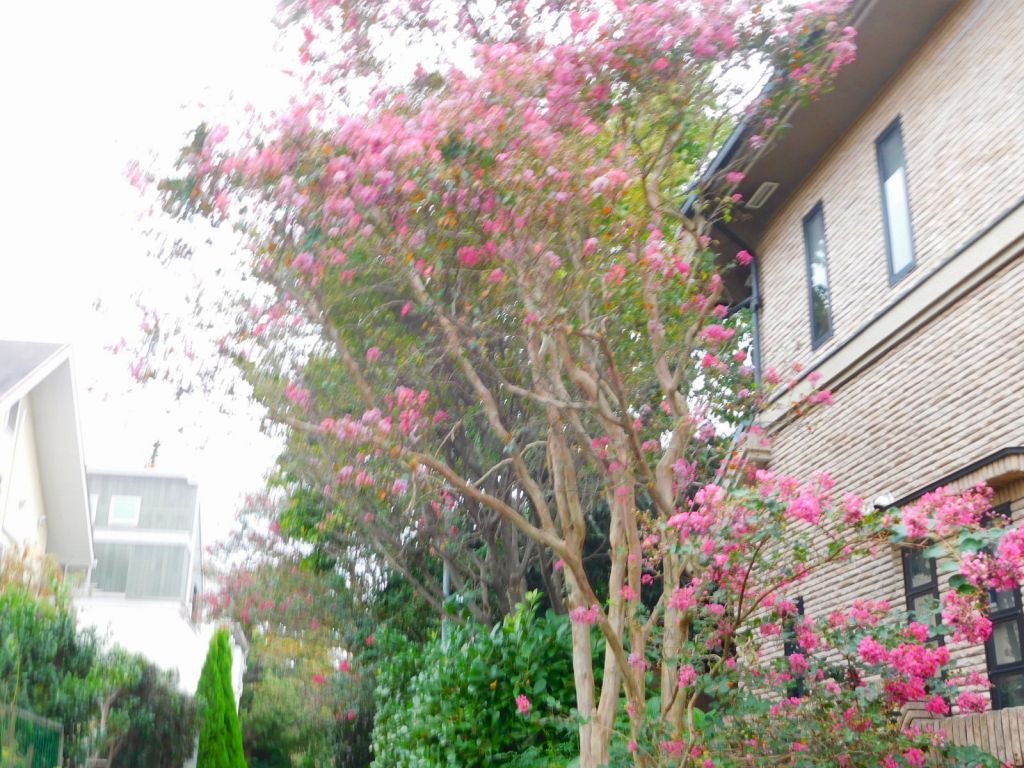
x=86 y=88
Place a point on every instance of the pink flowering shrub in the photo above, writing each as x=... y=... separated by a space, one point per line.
x=847 y=674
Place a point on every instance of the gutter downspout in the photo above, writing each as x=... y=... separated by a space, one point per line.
x=8 y=476
x=754 y=302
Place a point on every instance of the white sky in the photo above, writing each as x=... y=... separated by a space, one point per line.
x=86 y=87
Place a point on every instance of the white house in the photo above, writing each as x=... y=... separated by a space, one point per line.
x=43 y=503
x=146 y=586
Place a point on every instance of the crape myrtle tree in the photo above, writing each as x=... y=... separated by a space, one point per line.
x=490 y=306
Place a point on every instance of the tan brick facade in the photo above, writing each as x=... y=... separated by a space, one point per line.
x=961 y=105
x=952 y=392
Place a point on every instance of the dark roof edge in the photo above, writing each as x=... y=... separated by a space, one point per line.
x=857 y=10
x=1014 y=450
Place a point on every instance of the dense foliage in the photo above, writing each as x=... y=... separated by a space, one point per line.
x=111 y=704
x=305 y=614
x=162 y=732
x=220 y=735
x=47 y=666
x=500 y=697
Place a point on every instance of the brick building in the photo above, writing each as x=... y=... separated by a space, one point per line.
x=889 y=257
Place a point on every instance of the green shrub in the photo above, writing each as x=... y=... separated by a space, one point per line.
x=453 y=702
x=46 y=666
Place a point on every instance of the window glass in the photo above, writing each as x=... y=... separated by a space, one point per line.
x=919 y=569
x=124 y=510
x=898 y=232
x=1009 y=689
x=922 y=588
x=1006 y=645
x=1006 y=600
x=157 y=571
x=817 y=275
x=924 y=609
x=111 y=571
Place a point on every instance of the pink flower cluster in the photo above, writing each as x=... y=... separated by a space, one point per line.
x=581 y=615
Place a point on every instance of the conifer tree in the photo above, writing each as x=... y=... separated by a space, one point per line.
x=220 y=734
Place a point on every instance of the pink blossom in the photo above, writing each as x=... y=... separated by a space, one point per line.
x=969 y=701
x=589 y=616
x=914 y=757
x=303 y=261
x=523 y=704
x=298 y=395
x=717 y=334
x=735 y=177
x=937 y=705
x=683 y=598
x=917 y=631
x=964 y=613
x=373 y=354
x=744 y=257
x=872 y=651
x=1010 y=551
x=798 y=663
x=853 y=506
x=687 y=675
x=806 y=507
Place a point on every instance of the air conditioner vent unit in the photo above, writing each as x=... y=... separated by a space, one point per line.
x=760 y=197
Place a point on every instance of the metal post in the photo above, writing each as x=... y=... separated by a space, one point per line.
x=446 y=588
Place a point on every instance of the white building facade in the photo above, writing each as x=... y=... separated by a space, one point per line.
x=146 y=587
x=43 y=503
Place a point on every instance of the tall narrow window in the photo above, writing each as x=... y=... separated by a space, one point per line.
x=817 y=275
x=791 y=644
x=1004 y=649
x=892 y=171
x=921 y=582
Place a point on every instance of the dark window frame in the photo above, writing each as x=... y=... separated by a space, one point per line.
x=911 y=593
x=790 y=645
x=817 y=339
x=895 y=127
x=1004 y=616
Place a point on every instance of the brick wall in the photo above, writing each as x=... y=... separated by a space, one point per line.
x=949 y=395
x=961 y=104
x=953 y=391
